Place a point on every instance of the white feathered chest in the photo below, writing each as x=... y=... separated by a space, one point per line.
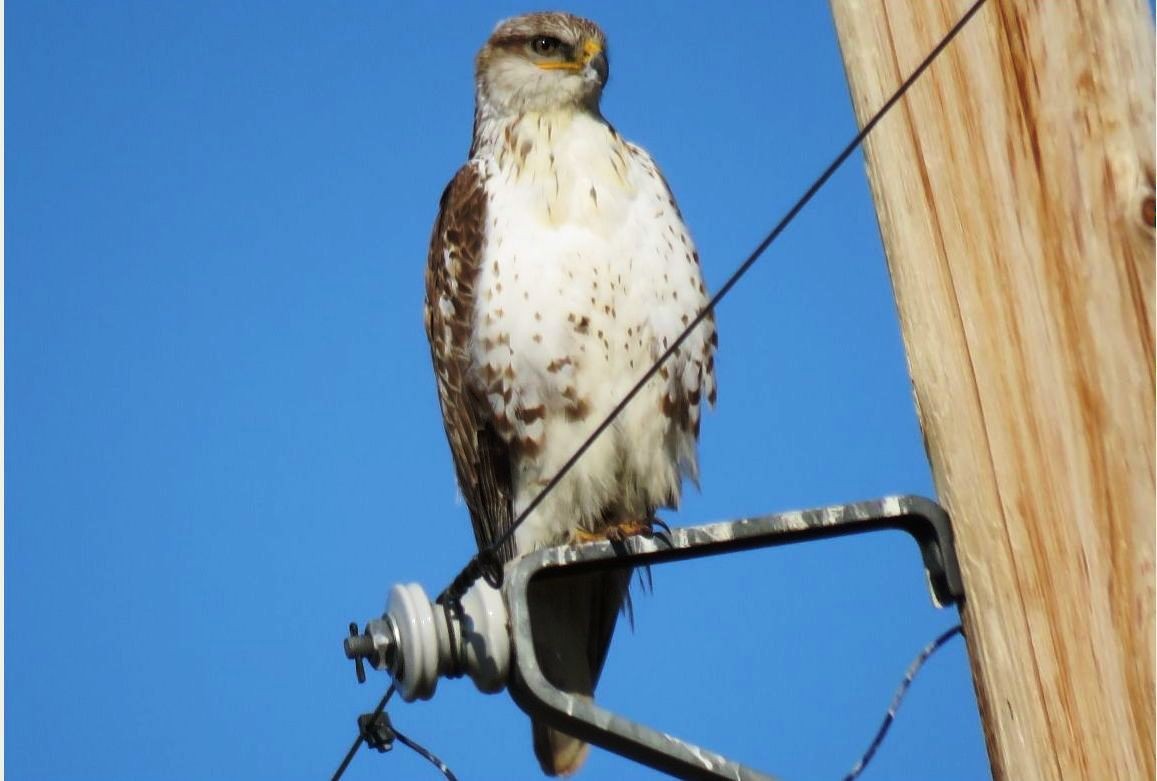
x=587 y=274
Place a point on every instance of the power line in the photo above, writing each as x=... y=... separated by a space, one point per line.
x=483 y=562
x=898 y=698
x=376 y=731
x=349 y=755
x=427 y=754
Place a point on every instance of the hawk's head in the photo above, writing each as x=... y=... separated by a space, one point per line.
x=542 y=61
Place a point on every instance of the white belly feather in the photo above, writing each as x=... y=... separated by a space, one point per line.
x=588 y=272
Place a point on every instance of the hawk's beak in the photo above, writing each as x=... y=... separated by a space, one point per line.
x=596 y=59
x=592 y=57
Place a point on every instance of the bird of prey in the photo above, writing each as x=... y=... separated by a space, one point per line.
x=559 y=270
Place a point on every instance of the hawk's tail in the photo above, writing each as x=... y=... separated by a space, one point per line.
x=573 y=620
x=558 y=753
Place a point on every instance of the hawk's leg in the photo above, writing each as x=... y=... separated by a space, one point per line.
x=618 y=532
x=621 y=531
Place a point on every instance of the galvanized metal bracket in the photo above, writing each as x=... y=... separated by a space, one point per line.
x=926 y=521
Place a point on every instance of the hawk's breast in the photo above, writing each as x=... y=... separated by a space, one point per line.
x=587 y=274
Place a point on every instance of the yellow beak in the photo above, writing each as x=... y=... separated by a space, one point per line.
x=591 y=49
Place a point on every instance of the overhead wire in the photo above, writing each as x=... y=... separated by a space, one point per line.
x=427 y=755
x=361 y=738
x=376 y=730
x=482 y=563
x=898 y=698
x=857 y=769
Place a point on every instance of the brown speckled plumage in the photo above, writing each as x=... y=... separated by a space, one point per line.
x=559 y=270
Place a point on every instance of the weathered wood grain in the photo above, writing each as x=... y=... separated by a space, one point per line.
x=1014 y=190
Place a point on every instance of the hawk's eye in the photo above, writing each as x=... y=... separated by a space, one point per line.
x=544 y=45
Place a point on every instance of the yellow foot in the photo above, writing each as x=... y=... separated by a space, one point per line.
x=622 y=531
x=580 y=536
x=615 y=532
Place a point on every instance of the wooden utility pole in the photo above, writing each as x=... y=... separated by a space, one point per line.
x=1014 y=189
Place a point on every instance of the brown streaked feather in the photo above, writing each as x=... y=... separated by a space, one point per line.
x=681 y=403
x=481 y=457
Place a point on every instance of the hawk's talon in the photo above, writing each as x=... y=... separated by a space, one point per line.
x=621 y=531
x=617 y=532
x=582 y=537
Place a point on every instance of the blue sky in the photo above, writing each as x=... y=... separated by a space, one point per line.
x=223 y=442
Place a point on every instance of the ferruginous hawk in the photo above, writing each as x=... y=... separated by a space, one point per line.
x=559 y=270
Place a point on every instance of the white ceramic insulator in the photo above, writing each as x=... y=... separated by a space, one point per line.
x=413 y=616
x=424 y=652
x=486 y=637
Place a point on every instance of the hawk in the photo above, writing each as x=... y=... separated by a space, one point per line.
x=559 y=270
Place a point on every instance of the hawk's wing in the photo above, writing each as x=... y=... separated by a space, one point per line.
x=481 y=457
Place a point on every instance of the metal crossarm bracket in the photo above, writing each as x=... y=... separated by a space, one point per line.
x=923 y=519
